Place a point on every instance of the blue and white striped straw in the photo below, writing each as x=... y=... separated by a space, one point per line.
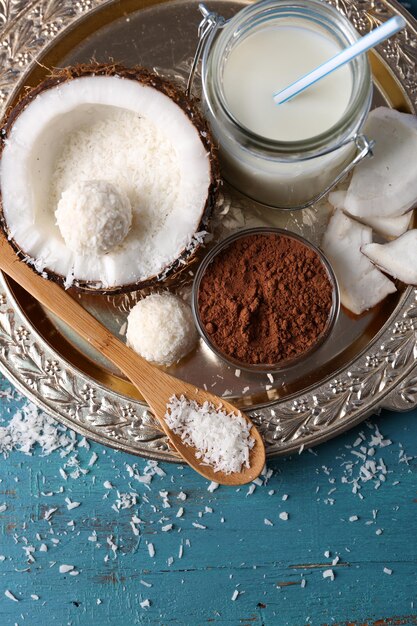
x=367 y=42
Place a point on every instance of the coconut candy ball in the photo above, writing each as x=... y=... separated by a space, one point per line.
x=161 y=328
x=94 y=216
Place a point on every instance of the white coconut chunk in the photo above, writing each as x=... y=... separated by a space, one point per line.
x=338 y=198
x=386 y=184
x=161 y=328
x=118 y=130
x=386 y=226
x=397 y=258
x=94 y=216
x=361 y=284
x=390 y=227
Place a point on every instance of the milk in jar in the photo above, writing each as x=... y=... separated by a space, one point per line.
x=284 y=155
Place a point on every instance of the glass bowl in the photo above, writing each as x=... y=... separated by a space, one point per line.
x=284 y=363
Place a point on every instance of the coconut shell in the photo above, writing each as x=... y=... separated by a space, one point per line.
x=188 y=255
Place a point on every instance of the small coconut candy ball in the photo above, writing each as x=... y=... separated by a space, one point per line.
x=161 y=328
x=94 y=216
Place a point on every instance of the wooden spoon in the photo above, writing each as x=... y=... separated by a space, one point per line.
x=156 y=386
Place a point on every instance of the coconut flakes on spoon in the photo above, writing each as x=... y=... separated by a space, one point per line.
x=386 y=185
x=388 y=227
x=361 y=284
x=397 y=258
x=222 y=440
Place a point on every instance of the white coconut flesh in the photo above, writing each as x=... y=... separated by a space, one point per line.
x=361 y=284
x=105 y=128
x=386 y=184
x=397 y=258
x=386 y=226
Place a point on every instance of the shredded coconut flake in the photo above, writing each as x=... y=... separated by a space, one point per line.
x=10 y=595
x=235 y=595
x=151 y=550
x=328 y=573
x=221 y=440
x=145 y=604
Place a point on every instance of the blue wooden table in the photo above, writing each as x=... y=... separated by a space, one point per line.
x=90 y=536
x=327 y=537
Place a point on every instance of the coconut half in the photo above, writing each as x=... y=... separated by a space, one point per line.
x=128 y=128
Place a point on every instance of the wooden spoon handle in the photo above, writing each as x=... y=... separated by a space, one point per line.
x=53 y=297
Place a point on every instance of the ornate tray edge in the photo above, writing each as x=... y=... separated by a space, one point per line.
x=386 y=376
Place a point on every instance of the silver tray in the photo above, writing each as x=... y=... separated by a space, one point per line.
x=368 y=364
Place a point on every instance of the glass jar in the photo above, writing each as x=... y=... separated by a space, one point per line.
x=283 y=174
x=284 y=364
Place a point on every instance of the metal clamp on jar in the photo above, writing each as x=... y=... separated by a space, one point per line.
x=283 y=157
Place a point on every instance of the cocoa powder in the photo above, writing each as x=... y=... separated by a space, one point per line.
x=265 y=298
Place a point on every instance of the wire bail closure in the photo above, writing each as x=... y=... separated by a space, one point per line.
x=364 y=148
x=208 y=26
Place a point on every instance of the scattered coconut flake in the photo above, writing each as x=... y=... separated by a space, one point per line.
x=49 y=512
x=303 y=583
x=328 y=573
x=196 y=525
x=235 y=595
x=182 y=496
x=107 y=485
x=284 y=516
x=151 y=550
x=180 y=512
x=64 y=569
x=270 y=377
x=3 y=507
x=284 y=497
x=237 y=373
x=34 y=596
x=93 y=459
x=388 y=571
x=166 y=528
x=268 y=522
x=145 y=604
x=251 y=489
x=72 y=505
x=43 y=547
x=379 y=531
x=145 y=584
x=221 y=440
x=353 y=518
x=10 y=595
x=30 y=427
